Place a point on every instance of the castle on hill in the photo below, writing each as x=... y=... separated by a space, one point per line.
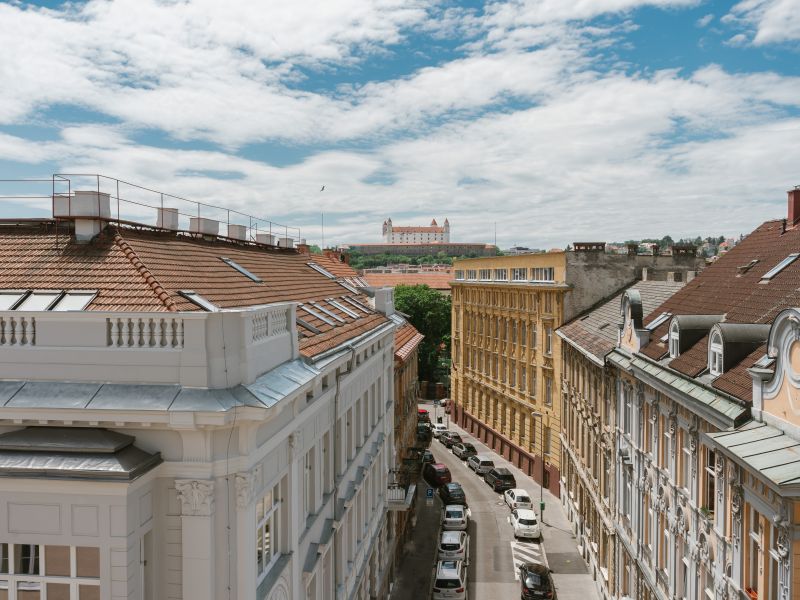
x=416 y=235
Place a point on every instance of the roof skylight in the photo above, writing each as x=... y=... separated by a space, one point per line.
x=342 y=308
x=241 y=269
x=780 y=266
x=357 y=304
x=199 y=300
x=322 y=270
x=330 y=313
x=658 y=321
x=9 y=298
x=74 y=300
x=39 y=300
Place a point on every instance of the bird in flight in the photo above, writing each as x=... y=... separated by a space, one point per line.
x=322 y=189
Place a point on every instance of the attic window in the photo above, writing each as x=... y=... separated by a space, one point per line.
x=74 y=300
x=241 y=269
x=674 y=340
x=763 y=361
x=715 y=364
x=39 y=300
x=197 y=299
x=779 y=267
x=8 y=299
x=322 y=270
x=658 y=321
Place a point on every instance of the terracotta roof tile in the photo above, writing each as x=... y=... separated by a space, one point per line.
x=406 y=339
x=437 y=280
x=737 y=381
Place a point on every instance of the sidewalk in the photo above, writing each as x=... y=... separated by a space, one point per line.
x=570 y=573
x=415 y=576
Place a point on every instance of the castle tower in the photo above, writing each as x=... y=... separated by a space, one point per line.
x=387 y=231
x=446 y=231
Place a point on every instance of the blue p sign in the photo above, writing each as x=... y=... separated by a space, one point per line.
x=429 y=493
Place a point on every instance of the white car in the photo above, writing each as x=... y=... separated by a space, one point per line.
x=438 y=429
x=454 y=516
x=454 y=545
x=525 y=524
x=451 y=580
x=480 y=464
x=517 y=498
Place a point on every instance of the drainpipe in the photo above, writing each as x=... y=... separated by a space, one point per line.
x=336 y=477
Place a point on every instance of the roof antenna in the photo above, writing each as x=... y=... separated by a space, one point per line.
x=322 y=218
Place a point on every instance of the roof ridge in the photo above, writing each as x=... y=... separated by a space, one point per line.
x=149 y=278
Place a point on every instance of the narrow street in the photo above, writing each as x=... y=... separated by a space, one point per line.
x=494 y=554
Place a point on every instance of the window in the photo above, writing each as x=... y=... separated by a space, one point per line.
x=548 y=342
x=674 y=340
x=472 y=274
x=241 y=269
x=548 y=391
x=543 y=274
x=658 y=321
x=715 y=364
x=31 y=571
x=779 y=267
x=8 y=299
x=519 y=274
x=709 y=480
x=459 y=275
x=501 y=274
x=485 y=275
x=195 y=298
x=322 y=270
x=39 y=300
x=267 y=525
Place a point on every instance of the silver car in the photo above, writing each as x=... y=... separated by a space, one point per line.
x=480 y=464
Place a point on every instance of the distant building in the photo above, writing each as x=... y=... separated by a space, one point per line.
x=426 y=249
x=416 y=235
x=437 y=278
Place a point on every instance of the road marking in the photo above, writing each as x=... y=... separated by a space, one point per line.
x=526 y=552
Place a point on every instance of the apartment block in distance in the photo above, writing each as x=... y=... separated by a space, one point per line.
x=506 y=357
x=189 y=409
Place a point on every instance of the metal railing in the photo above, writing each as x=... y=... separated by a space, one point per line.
x=138 y=205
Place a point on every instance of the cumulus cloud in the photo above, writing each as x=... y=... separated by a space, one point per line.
x=704 y=20
x=774 y=21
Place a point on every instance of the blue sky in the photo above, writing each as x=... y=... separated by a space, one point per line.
x=560 y=121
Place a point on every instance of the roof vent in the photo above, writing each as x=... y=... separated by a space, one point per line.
x=265 y=238
x=204 y=226
x=237 y=232
x=167 y=218
x=94 y=207
x=285 y=242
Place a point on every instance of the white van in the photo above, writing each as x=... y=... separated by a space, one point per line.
x=481 y=464
x=451 y=580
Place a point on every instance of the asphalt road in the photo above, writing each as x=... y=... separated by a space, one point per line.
x=493 y=550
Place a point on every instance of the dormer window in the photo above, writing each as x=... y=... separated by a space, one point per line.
x=674 y=340
x=715 y=364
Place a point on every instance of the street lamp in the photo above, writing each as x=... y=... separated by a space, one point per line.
x=540 y=416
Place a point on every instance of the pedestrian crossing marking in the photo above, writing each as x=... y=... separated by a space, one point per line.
x=526 y=552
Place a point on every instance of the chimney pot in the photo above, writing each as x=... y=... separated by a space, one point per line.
x=794 y=206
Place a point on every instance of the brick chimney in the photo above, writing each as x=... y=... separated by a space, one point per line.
x=794 y=206
x=302 y=247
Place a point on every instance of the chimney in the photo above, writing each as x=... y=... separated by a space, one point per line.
x=285 y=242
x=237 y=232
x=670 y=277
x=690 y=275
x=208 y=227
x=645 y=274
x=794 y=206
x=302 y=247
x=89 y=209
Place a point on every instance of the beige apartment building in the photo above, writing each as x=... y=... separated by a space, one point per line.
x=507 y=362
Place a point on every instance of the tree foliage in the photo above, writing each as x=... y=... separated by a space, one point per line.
x=428 y=311
x=362 y=261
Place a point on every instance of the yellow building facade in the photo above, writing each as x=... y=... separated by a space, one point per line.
x=507 y=358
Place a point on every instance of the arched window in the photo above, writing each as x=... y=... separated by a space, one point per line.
x=674 y=339
x=715 y=364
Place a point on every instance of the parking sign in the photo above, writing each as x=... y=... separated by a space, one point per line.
x=429 y=493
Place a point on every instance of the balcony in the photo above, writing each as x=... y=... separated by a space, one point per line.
x=399 y=498
x=184 y=348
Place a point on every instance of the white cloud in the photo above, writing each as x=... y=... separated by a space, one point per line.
x=774 y=21
x=704 y=20
x=737 y=40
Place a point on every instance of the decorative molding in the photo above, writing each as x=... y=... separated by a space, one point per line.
x=196 y=497
x=246 y=483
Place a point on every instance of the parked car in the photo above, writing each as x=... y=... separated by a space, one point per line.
x=525 y=524
x=537 y=582
x=464 y=450
x=439 y=429
x=451 y=580
x=436 y=474
x=517 y=498
x=449 y=438
x=500 y=479
x=427 y=457
x=452 y=493
x=454 y=545
x=454 y=516
x=480 y=464
x=423 y=415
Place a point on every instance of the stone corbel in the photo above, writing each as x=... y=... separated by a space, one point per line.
x=246 y=483
x=196 y=497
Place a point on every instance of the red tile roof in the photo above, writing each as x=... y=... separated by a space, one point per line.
x=406 y=339
x=135 y=270
x=417 y=229
x=734 y=286
x=437 y=280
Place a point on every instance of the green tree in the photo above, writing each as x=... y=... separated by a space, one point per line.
x=428 y=311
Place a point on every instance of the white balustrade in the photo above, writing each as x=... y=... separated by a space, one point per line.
x=145 y=332
x=17 y=330
x=269 y=322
